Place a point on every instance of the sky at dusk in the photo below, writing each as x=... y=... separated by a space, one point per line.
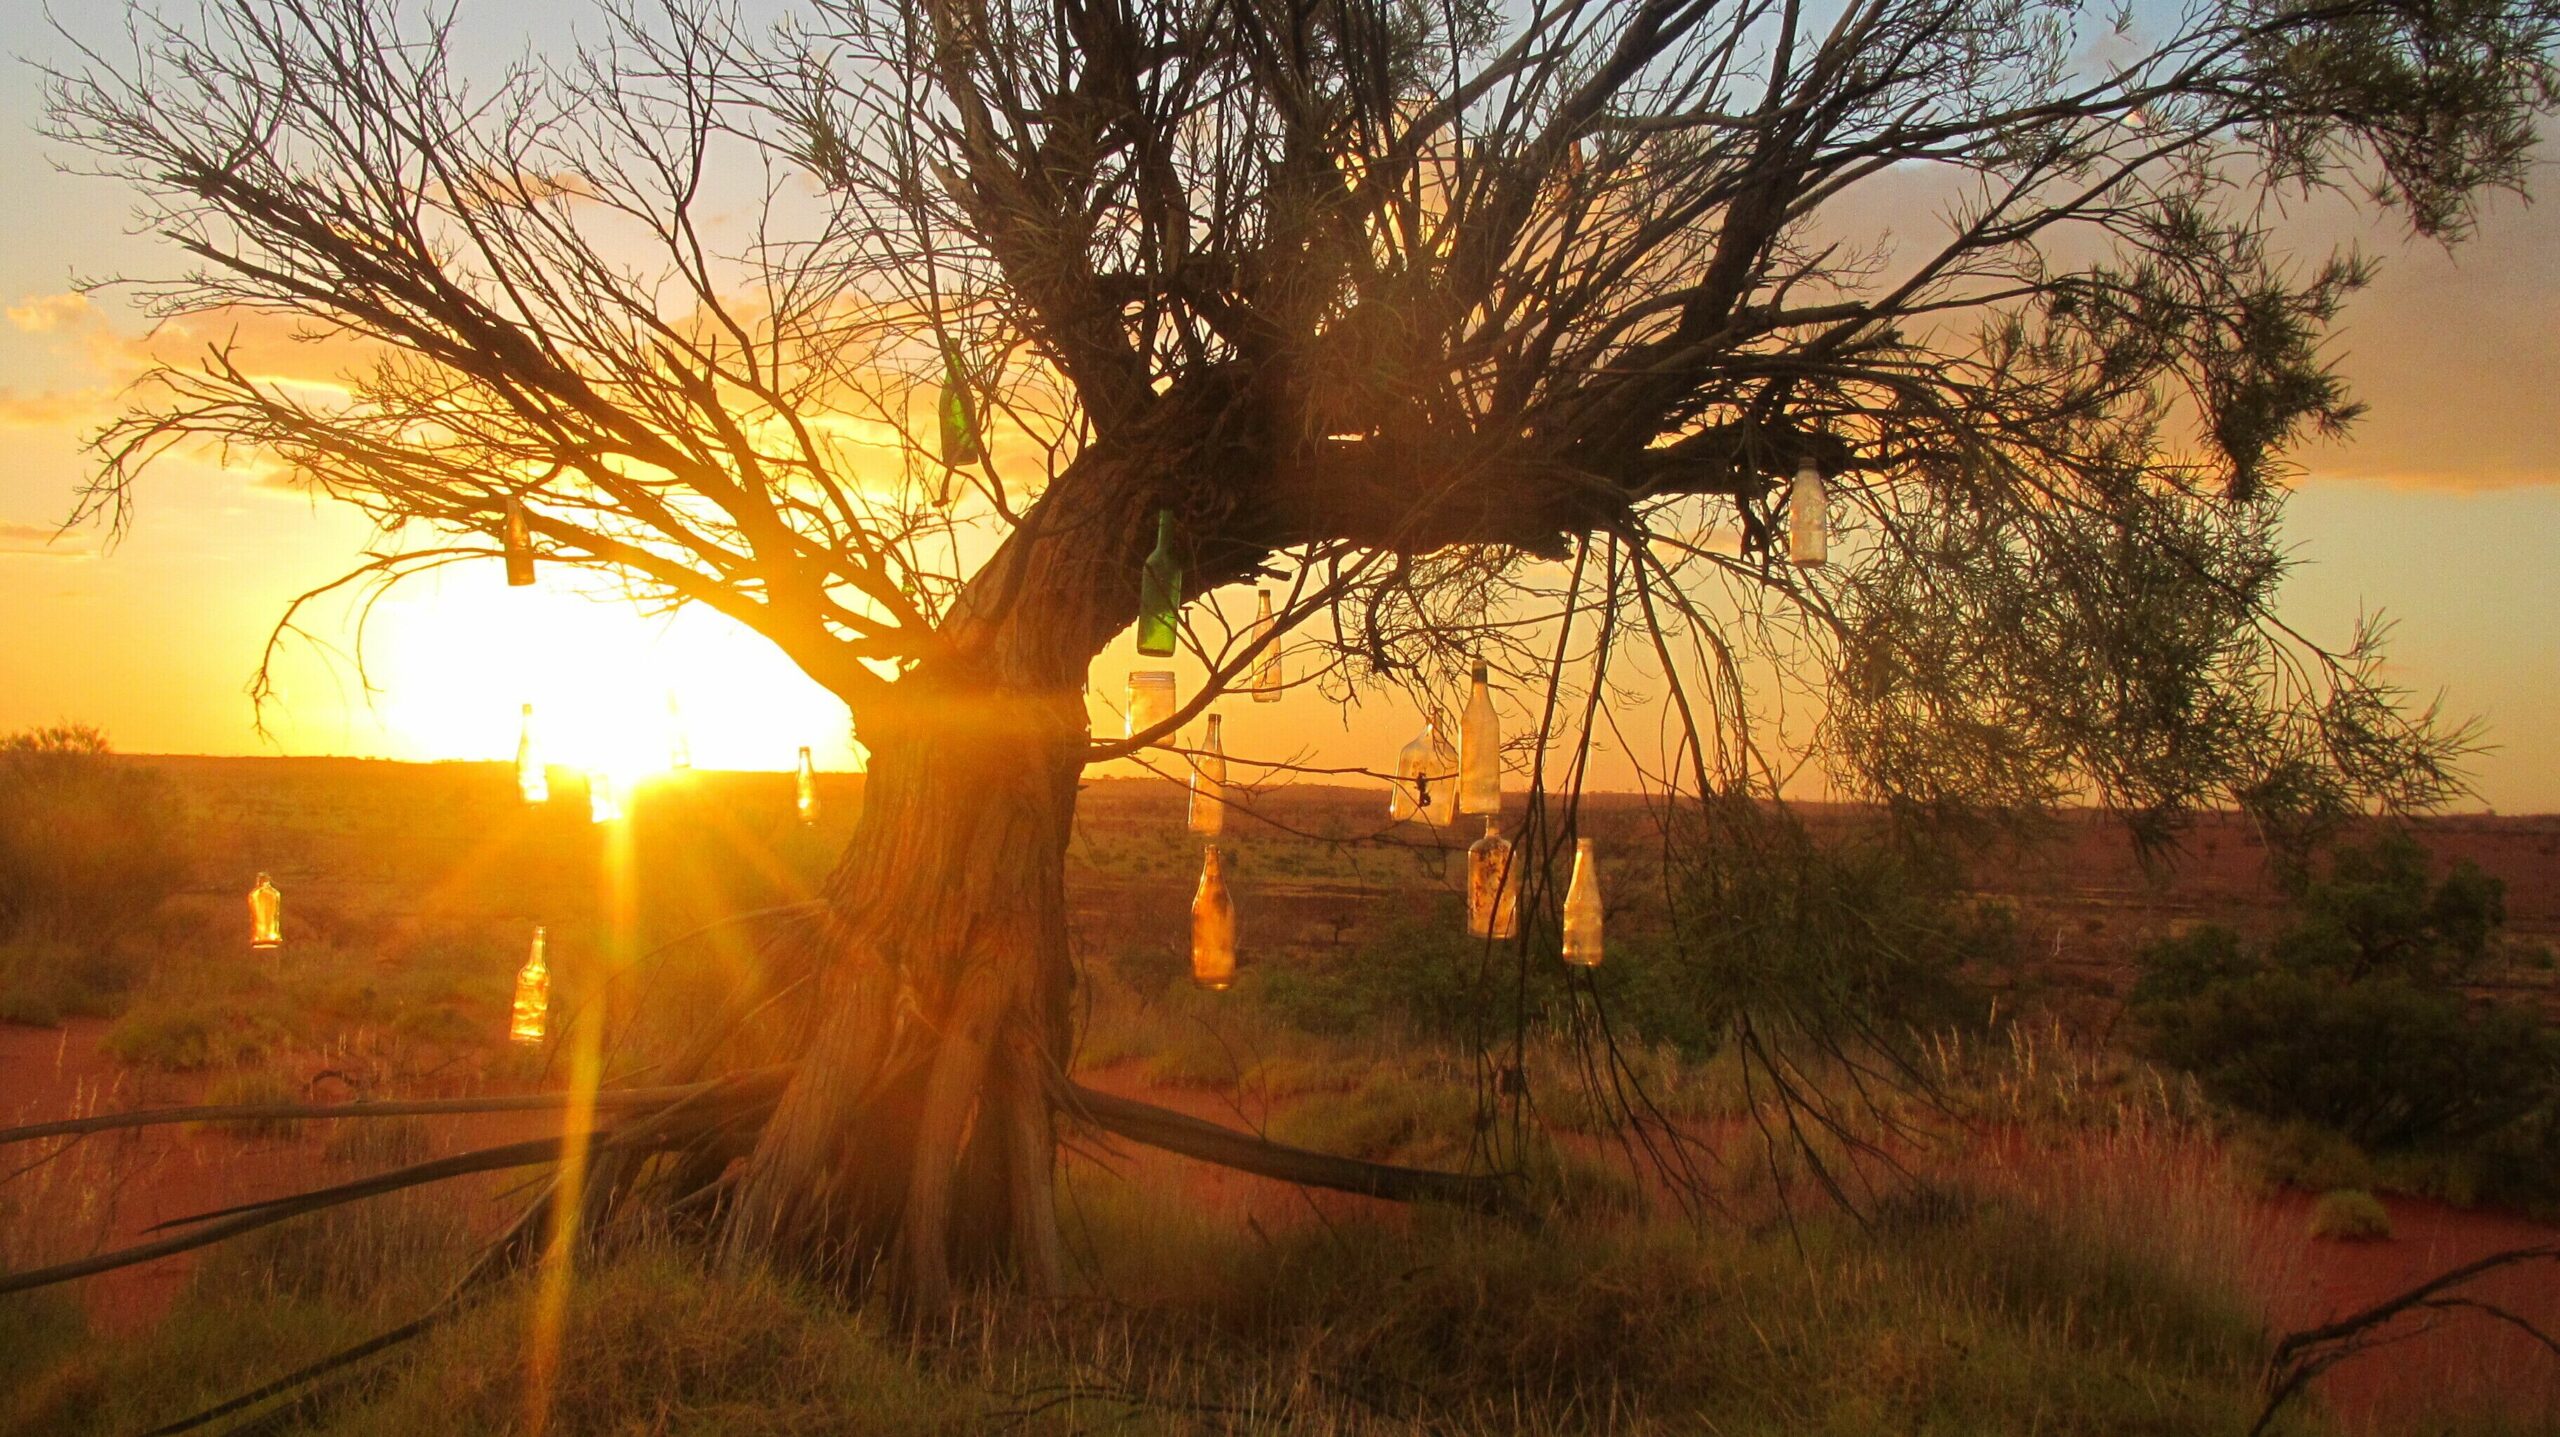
x=2441 y=512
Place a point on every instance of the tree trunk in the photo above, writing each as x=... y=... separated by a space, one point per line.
x=916 y=1142
x=918 y=1139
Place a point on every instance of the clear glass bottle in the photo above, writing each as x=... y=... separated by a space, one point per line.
x=604 y=797
x=959 y=416
x=1208 y=813
x=805 y=787
x=1493 y=886
x=1424 y=771
x=679 y=748
x=1266 y=670
x=1582 y=908
x=1809 y=519
x=519 y=541
x=533 y=995
x=266 y=915
x=533 y=779
x=1480 y=751
x=1160 y=594
x=1213 y=926
x=1150 y=701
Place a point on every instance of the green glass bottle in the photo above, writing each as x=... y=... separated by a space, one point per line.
x=1160 y=593
x=959 y=421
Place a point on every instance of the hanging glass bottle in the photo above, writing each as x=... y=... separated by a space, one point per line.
x=604 y=797
x=1209 y=782
x=961 y=443
x=1808 y=519
x=519 y=538
x=1480 y=751
x=1150 y=702
x=266 y=915
x=1493 y=886
x=533 y=779
x=805 y=787
x=1266 y=670
x=1213 y=926
x=533 y=995
x=1582 y=908
x=1160 y=594
x=1425 y=770
x=679 y=748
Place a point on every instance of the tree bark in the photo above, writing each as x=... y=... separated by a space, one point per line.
x=915 y=1139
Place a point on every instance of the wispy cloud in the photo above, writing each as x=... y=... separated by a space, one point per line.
x=40 y=542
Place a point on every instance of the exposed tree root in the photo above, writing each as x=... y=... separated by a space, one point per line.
x=703 y=1127
x=1156 y=1127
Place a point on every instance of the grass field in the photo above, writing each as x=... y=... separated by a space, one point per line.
x=2063 y=1241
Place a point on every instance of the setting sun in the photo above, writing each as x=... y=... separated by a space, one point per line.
x=453 y=656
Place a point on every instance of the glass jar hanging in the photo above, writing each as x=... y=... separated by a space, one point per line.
x=533 y=995
x=1160 y=594
x=1809 y=519
x=519 y=545
x=1208 y=809
x=266 y=915
x=1425 y=770
x=1266 y=632
x=958 y=412
x=679 y=747
x=1582 y=908
x=1150 y=702
x=1480 y=750
x=1213 y=926
x=604 y=797
x=533 y=779
x=1493 y=886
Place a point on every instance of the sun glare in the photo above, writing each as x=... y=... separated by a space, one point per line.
x=455 y=657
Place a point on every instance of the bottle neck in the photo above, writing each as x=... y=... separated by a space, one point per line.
x=1164 y=530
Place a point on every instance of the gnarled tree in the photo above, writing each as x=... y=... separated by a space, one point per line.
x=1473 y=327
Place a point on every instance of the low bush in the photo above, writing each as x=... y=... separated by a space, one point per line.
x=2351 y=1021
x=178 y=1036
x=89 y=844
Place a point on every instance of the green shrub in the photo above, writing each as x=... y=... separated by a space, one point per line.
x=180 y=1036
x=1421 y=973
x=89 y=845
x=2350 y=1020
x=1845 y=942
x=2350 y=1215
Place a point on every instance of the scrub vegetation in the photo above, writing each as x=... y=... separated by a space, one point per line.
x=2041 y=1232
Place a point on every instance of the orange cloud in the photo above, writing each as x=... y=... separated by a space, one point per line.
x=38 y=541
